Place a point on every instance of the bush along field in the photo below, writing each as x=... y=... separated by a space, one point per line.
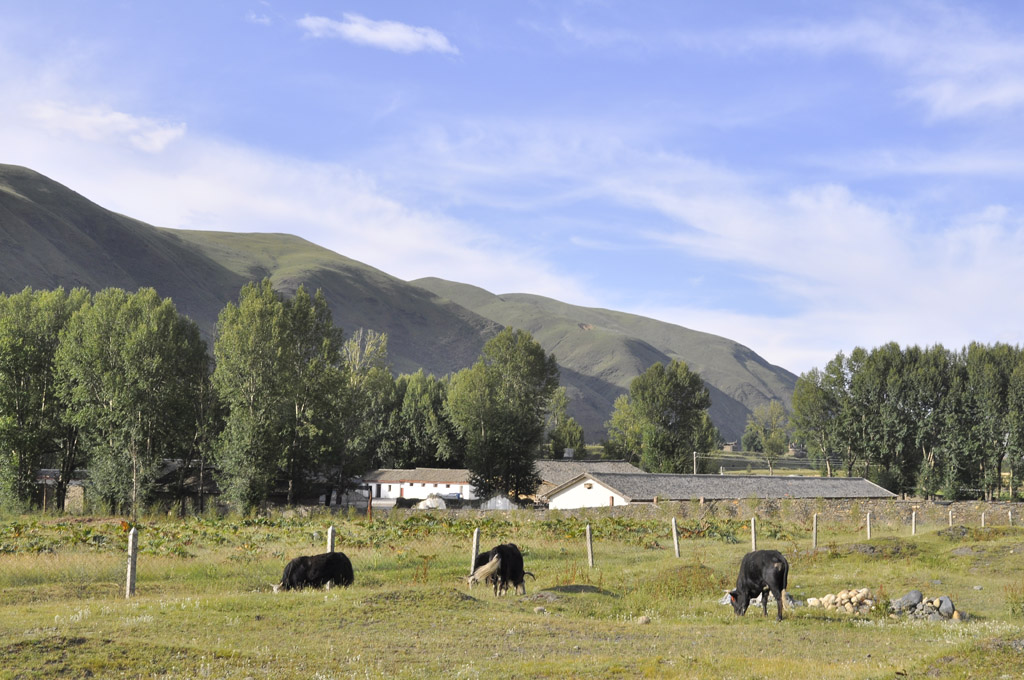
x=204 y=606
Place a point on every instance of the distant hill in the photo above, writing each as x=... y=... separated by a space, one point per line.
x=51 y=236
x=600 y=351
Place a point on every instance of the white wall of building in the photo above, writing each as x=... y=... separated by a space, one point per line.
x=421 y=489
x=586 y=493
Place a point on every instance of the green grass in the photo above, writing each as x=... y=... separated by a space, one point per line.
x=204 y=608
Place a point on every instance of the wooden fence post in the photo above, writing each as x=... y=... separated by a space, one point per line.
x=913 y=523
x=476 y=549
x=1010 y=512
x=675 y=536
x=133 y=556
x=590 y=548
x=983 y=520
x=753 y=533
x=330 y=538
x=814 y=533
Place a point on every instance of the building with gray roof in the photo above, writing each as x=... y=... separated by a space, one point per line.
x=601 y=489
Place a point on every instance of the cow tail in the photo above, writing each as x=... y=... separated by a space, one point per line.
x=485 y=571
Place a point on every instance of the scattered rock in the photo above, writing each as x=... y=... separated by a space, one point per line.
x=643 y=620
x=539 y=610
x=908 y=601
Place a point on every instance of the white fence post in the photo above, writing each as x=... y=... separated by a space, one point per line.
x=913 y=523
x=476 y=550
x=950 y=518
x=753 y=533
x=814 y=533
x=133 y=556
x=869 y=526
x=590 y=547
x=982 y=520
x=675 y=536
x=330 y=538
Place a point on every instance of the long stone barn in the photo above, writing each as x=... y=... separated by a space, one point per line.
x=603 y=489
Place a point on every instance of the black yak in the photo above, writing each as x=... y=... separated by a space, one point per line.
x=316 y=571
x=760 y=570
x=501 y=566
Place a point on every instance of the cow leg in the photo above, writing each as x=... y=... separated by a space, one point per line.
x=764 y=600
x=778 y=601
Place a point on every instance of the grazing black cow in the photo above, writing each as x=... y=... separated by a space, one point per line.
x=316 y=571
x=760 y=570
x=502 y=565
x=406 y=502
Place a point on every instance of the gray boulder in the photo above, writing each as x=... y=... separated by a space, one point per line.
x=946 y=607
x=908 y=601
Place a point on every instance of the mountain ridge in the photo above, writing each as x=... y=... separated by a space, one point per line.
x=51 y=236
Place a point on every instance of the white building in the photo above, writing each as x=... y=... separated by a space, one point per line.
x=598 y=489
x=420 y=483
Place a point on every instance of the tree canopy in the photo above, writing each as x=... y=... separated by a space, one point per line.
x=663 y=421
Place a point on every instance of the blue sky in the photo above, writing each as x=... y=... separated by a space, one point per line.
x=802 y=177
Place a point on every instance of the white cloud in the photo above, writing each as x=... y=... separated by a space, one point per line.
x=95 y=123
x=954 y=62
x=261 y=19
x=388 y=35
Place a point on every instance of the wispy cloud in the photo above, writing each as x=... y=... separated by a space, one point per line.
x=258 y=18
x=388 y=35
x=953 y=61
x=97 y=122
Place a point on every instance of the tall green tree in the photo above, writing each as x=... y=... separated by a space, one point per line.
x=282 y=377
x=251 y=381
x=663 y=420
x=815 y=417
x=32 y=431
x=316 y=382
x=498 y=407
x=563 y=430
x=769 y=424
x=424 y=435
x=372 y=414
x=126 y=367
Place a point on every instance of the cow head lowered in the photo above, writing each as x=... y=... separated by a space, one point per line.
x=760 y=571
x=501 y=566
x=316 y=571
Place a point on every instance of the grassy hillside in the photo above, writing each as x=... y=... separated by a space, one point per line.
x=601 y=351
x=51 y=236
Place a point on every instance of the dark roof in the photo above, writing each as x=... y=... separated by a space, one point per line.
x=558 y=471
x=646 y=487
x=418 y=475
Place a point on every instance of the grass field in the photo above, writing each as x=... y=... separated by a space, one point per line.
x=204 y=607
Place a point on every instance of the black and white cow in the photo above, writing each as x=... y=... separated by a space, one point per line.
x=760 y=570
x=317 y=571
x=501 y=566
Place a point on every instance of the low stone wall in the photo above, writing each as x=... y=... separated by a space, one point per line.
x=888 y=515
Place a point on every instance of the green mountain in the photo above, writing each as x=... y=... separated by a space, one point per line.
x=51 y=236
x=600 y=351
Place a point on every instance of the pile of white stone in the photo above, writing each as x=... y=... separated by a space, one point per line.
x=851 y=601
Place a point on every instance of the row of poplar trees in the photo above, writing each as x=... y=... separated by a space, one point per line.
x=929 y=421
x=120 y=382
